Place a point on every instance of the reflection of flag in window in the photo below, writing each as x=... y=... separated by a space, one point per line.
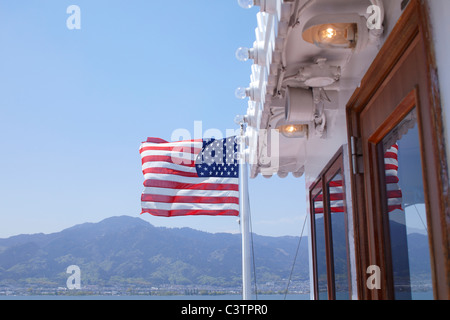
x=393 y=191
x=318 y=204
x=195 y=177
x=336 y=191
x=336 y=194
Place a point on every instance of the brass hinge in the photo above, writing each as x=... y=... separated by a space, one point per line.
x=357 y=155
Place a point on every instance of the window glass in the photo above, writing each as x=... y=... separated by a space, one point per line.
x=337 y=213
x=406 y=212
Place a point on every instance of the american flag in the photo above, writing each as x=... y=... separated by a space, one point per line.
x=192 y=177
x=393 y=191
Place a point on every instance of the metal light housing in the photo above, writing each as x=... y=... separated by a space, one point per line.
x=299 y=107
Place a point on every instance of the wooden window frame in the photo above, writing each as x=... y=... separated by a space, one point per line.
x=335 y=166
x=314 y=191
x=411 y=35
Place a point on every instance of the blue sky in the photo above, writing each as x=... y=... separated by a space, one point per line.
x=76 y=104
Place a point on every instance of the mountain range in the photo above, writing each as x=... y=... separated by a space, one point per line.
x=127 y=250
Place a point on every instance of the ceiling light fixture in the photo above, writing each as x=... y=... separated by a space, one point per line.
x=329 y=31
x=241 y=93
x=256 y=53
x=253 y=93
x=243 y=54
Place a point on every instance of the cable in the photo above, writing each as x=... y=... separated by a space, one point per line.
x=423 y=223
x=295 y=258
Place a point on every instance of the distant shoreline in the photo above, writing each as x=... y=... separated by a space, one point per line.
x=155 y=297
x=428 y=295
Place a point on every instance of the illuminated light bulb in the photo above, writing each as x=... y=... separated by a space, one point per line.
x=336 y=35
x=329 y=33
x=246 y=4
x=241 y=93
x=243 y=54
x=294 y=130
x=290 y=129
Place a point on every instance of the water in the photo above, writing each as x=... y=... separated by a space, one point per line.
x=229 y=297
x=143 y=297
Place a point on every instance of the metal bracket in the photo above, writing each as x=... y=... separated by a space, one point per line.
x=357 y=156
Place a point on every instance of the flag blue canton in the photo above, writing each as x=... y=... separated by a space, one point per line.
x=217 y=159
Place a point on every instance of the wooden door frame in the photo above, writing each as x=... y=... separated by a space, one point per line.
x=412 y=32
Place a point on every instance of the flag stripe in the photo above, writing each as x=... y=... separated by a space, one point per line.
x=169 y=159
x=172 y=154
x=190 y=180
x=318 y=210
x=197 y=143
x=335 y=183
x=187 y=199
x=391 y=154
x=191 y=192
x=391 y=167
x=395 y=207
x=168 y=165
x=336 y=196
x=177 y=213
x=192 y=186
x=392 y=180
x=394 y=194
x=186 y=149
x=169 y=171
x=190 y=206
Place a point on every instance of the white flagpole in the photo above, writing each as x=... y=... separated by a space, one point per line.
x=245 y=219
